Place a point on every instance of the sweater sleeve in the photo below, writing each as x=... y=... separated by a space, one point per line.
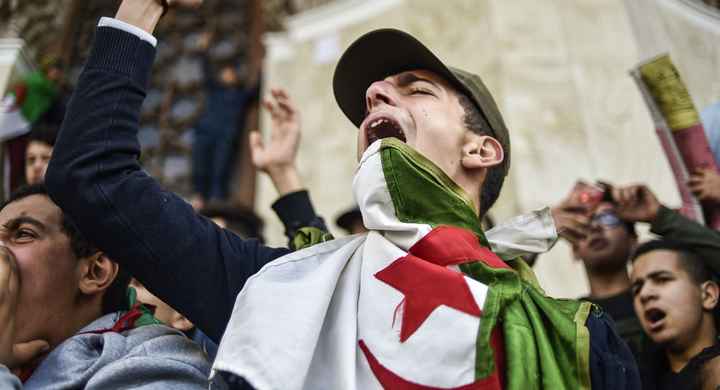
x=706 y=242
x=296 y=211
x=96 y=179
x=8 y=380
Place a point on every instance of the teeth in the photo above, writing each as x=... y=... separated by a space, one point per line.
x=377 y=122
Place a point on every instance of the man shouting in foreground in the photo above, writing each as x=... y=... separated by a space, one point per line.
x=420 y=302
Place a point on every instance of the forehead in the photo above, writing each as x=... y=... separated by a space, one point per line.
x=656 y=261
x=39 y=207
x=38 y=147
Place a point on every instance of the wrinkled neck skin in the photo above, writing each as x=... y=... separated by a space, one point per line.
x=404 y=195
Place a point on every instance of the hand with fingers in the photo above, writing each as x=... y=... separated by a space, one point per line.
x=277 y=156
x=572 y=214
x=635 y=203
x=705 y=185
x=13 y=355
x=145 y=14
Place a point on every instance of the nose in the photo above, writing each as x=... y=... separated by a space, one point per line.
x=647 y=293
x=378 y=93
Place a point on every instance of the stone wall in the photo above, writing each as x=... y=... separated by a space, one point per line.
x=558 y=69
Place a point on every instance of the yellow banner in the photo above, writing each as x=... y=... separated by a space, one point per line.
x=670 y=93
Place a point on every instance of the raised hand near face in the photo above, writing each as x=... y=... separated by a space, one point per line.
x=277 y=156
x=635 y=203
x=572 y=214
x=13 y=355
x=705 y=184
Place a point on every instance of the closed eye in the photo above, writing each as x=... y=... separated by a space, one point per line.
x=421 y=91
x=24 y=235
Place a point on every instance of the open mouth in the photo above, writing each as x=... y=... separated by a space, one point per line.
x=383 y=128
x=654 y=318
x=597 y=243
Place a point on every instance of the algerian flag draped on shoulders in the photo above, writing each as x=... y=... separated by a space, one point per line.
x=419 y=302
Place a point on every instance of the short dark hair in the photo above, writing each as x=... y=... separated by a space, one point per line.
x=690 y=260
x=43 y=132
x=115 y=298
x=495 y=178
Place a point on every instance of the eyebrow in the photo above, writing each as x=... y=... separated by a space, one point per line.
x=15 y=223
x=407 y=78
x=656 y=274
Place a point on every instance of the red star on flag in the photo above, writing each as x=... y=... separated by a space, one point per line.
x=426 y=286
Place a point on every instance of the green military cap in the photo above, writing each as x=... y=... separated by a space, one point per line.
x=385 y=52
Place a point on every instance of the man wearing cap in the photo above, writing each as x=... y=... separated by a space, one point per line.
x=420 y=302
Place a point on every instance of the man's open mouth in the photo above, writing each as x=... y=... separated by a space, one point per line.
x=655 y=318
x=383 y=128
x=598 y=243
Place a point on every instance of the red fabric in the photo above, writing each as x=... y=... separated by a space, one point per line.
x=423 y=277
x=426 y=286
x=390 y=380
x=449 y=245
x=126 y=322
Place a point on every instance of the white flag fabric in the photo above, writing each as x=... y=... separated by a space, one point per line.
x=331 y=316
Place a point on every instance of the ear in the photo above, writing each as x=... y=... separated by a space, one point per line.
x=97 y=272
x=481 y=151
x=710 y=292
x=179 y=322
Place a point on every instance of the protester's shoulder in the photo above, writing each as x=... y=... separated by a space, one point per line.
x=163 y=342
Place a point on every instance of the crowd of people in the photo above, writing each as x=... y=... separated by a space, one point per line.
x=109 y=281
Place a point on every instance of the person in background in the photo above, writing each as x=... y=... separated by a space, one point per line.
x=226 y=100
x=172 y=318
x=40 y=143
x=610 y=239
x=705 y=183
x=67 y=318
x=351 y=221
x=675 y=296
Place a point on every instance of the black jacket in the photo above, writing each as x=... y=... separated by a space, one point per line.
x=95 y=177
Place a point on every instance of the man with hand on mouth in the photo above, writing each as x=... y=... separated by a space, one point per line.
x=420 y=301
x=675 y=297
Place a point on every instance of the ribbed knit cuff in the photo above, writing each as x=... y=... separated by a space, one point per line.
x=121 y=52
x=295 y=208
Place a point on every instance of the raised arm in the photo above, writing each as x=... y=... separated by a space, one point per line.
x=638 y=203
x=277 y=158
x=95 y=177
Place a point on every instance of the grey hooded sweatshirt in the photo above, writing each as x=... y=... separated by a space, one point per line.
x=146 y=357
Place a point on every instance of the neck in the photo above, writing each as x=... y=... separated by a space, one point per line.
x=420 y=193
x=75 y=320
x=705 y=337
x=608 y=284
x=469 y=184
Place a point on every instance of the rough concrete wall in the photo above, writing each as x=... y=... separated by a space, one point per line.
x=558 y=69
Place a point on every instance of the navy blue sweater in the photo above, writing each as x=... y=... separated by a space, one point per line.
x=95 y=177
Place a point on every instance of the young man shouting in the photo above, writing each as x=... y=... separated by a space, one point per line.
x=419 y=302
x=675 y=297
x=67 y=320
